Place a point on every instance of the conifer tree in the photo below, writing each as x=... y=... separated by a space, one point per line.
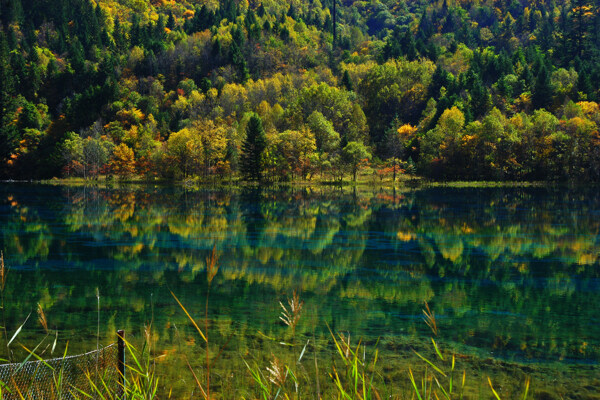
x=542 y=90
x=347 y=81
x=253 y=148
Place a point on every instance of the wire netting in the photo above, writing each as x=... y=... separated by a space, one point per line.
x=60 y=378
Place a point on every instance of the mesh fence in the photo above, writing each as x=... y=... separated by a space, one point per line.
x=59 y=378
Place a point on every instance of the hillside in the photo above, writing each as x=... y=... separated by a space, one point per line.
x=264 y=90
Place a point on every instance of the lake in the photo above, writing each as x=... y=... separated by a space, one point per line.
x=512 y=275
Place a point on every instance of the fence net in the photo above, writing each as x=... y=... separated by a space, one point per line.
x=59 y=378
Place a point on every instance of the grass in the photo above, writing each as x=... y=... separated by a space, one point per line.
x=366 y=177
x=356 y=371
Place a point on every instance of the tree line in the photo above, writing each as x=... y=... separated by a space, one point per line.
x=449 y=90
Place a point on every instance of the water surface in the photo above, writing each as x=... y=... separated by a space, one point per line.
x=512 y=274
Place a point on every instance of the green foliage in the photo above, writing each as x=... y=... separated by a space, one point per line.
x=326 y=138
x=354 y=155
x=253 y=148
x=179 y=63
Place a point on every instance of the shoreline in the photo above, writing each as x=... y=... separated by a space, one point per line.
x=410 y=183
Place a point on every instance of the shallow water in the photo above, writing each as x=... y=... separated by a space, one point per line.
x=512 y=274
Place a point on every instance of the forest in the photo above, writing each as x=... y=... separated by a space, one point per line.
x=278 y=91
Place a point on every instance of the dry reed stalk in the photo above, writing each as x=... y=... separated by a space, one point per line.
x=429 y=318
x=3 y=272
x=212 y=266
x=292 y=316
x=42 y=318
x=277 y=372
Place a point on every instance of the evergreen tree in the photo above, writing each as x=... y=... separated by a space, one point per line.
x=327 y=25
x=253 y=148
x=261 y=10
x=480 y=98
x=292 y=12
x=409 y=46
x=542 y=90
x=441 y=78
x=217 y=49
x=347 y=81
x=118 y=35
x=584 y=83
x=239 y=62
x=171 y=21
x=579 y=21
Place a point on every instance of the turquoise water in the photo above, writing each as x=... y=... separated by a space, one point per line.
x=512 y=274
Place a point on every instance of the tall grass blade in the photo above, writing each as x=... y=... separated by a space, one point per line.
x=339 y=385
x=18 y=331
x=258 y=379
x=374 y=362
x=437 y=350
x=526 y=389
x=412 y=380
x=337 y=345
x=303 y=350
x=493 y=390
x=190 y=317
x=32 y=354
x=54 y=344
x=446 y=394
x=435 y=367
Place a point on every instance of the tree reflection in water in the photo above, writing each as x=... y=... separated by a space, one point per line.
x=511 y=273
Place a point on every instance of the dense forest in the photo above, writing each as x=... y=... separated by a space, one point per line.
x=279 y=90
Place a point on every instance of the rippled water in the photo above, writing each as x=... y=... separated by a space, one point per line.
x=512 y=274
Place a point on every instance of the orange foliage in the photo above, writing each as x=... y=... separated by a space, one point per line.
x=123 y=161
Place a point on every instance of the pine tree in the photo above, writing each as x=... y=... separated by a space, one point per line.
x=253 y=148
x=118 y=35
x=239 y=62
x=542 y=90
x=171 y=21
x=480 y=98
x=409 y=46
x=347 y=81
x=579 y=22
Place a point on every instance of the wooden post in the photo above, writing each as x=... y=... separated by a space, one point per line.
x=121 y=364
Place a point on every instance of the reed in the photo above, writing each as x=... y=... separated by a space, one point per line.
x=358 y=381
x=279 y=374
x=291 y=316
